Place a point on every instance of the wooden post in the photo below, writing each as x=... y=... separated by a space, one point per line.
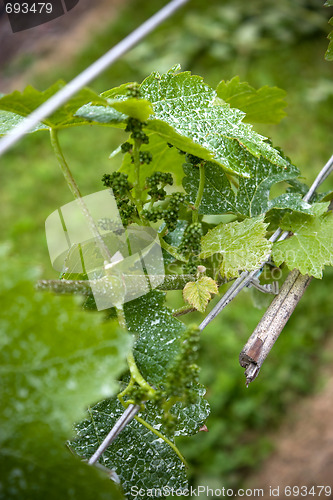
x=272 y=323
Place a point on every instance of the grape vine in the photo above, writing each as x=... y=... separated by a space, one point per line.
x=194 y=173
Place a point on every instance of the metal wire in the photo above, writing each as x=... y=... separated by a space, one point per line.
x=121 y=423
x=88 y=75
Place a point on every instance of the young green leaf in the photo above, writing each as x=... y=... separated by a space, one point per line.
x=137 y=108
x=198 y=293
x=265 y=105
x=8 y=121
x=311 y=246
x=49 y=471
x=242 y=245
x=189 y=115
x=140 y=458
x=105 y=115
x=252 y=196
x=23 y=103
x=55 y=361
x=188 y=111
x=155 y=326
x=75 y=355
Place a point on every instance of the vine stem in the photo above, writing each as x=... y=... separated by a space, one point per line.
x=136 y=375
x=77 y=194
x=64 y=165
x=133 y=368
x=137 y=166
x=160 y=435
x=171 y=282
x=195 y=214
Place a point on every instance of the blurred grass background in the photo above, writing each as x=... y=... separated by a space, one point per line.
x=266 y=43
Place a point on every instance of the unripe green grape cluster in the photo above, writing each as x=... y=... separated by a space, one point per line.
x=182 y=377
x=190 y=246
x=134 y=91
x=157 y=182
x=191 y=242
x=118 y=182
x=164 y=178
x=135 y=127
x=145 y=157
x=170 y=213
x=120 y=186
x=195 y=160
x=126 y=147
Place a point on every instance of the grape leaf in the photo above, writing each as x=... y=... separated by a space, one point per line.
x=120 y=91
x=50 y=472
x=252 y=196
x=242 y=244
x=198 y=293
x=55 y=360
x=137 y=108
x=265 y=105
x=23 y=103
x=101 y=114
x=110 y=115
x=8 y=121
x=218 y=196
x=311 y=246
x=165 y=159
x=189 y=115
x=189 y=418
x=140 y=458
x=329 y=51
x=173 y=238
x=158 y=334
x=184 y=106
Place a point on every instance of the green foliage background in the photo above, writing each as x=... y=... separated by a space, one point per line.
x=265 y=43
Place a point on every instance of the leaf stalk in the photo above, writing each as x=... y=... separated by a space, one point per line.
x=195 y=214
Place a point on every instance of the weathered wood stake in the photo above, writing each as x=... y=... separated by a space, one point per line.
x=272 y=323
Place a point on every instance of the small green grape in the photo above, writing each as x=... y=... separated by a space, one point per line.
x=134 y=91
x=154 y=214
x=157 y=178
x=195 y=160
x=118 y=182
x=126 y=147
x=191 y=242
x=145 y=157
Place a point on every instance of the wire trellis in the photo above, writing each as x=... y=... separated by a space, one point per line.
x=89 y=74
